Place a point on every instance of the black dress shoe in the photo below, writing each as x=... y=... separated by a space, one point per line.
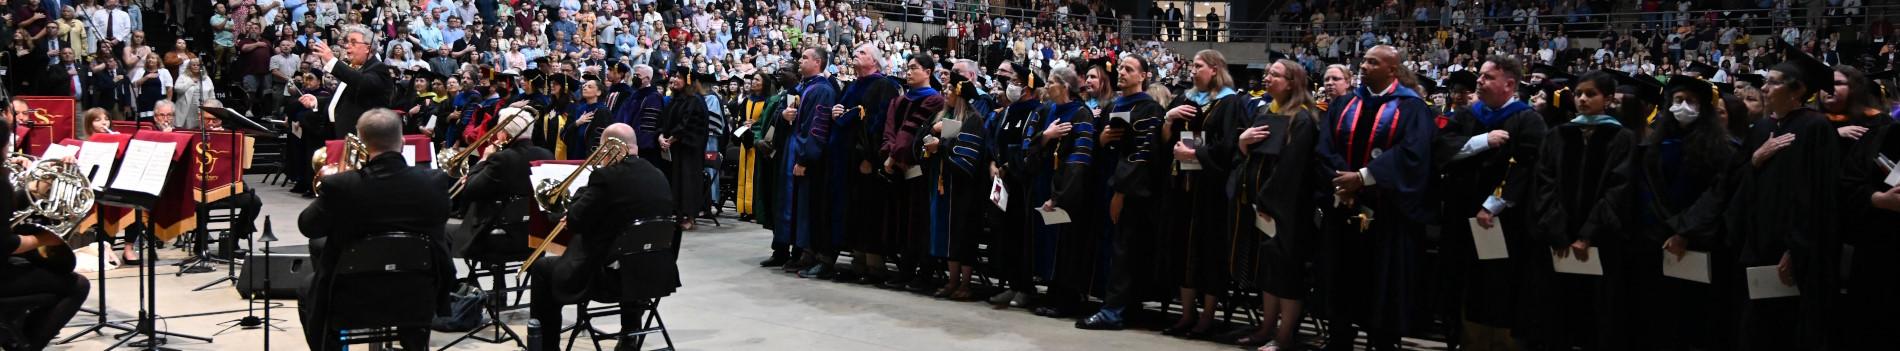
x=845 y=275
x=895 y=284
x=1052 y=312
x=1200 y=334
x=919 y=286
x=1098 y=322
x=775 y=261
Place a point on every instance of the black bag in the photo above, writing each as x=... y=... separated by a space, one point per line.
x=464 y=312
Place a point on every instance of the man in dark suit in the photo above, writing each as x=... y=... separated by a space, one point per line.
x=497 y=188
x=616 y=194
x=363 y=83
x=1174 y=23
x=386 y=195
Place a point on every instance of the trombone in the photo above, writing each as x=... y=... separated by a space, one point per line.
x=554 y=197
x=455 y=161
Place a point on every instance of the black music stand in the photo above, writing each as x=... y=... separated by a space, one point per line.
x=142 y=203
x=200 y=259
x=104 y=249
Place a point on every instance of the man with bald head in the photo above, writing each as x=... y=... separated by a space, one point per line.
x=1376 y=144
x=855 y=153
x=620 y=192
x=386 y=195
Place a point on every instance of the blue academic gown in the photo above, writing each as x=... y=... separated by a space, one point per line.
x=810 y=131
x=1390 y=136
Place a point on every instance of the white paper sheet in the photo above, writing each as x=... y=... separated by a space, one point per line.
x=58 y=151
x=1264 y=224
x=998 y=195
x=96 y=154
x=409 y=154
x=1893 y=177
x=145 y=166
x=740 y=133
x=1693 y=266
x=1193 y=139
x=913 y=172
x=1054 y=217
x=951 y=128
x=1765 y=283
x=1570 y=264
x=1123 y=116
x=1490 y=242
x=556 y=173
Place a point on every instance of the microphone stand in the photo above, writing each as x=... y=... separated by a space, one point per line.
x=104 y=250
x=250 y=320
x=199 y=260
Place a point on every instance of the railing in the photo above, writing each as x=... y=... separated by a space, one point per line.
x=1293 y=30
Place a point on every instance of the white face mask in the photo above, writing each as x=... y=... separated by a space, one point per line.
x=1685 y=113
x=1014 y=91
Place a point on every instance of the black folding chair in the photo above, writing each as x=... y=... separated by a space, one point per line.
x=644 y=237
x=383 y=284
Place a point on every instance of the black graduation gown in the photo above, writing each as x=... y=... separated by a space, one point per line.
x=1676 y=188
x=1870 y=280
x=1009 y=234
x=958 y=178
x=1139 y=178
x=1485 y=290
x=1575 y=173
x=1196 y=236
x=685 y=120
x=1278 y=179
x=1788 y=205
x=866 y=101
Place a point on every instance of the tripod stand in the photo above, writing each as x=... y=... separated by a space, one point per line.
x=148 y=299
x=250 y=319
x=103 y=323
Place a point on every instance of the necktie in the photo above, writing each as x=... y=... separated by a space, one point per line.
x=110 y=20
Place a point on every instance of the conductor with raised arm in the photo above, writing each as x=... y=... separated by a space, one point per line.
x=363 y=84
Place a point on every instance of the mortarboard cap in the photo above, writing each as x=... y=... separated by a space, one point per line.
x=1703 y=70
x=1753 y=80
x=1799 y=66
x=1464 y=79
x=1702 y=89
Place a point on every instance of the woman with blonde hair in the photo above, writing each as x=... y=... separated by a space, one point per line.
x=1203 y=127
x=193 y=88
x=1271 y=210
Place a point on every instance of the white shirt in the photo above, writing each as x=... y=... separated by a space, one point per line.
x=120 y=22
x=336 y=96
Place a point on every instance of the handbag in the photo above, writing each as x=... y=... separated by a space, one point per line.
x=464 y=311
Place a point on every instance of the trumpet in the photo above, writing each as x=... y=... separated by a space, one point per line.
x=455 y=161
x=554 y=197
x=354 y=154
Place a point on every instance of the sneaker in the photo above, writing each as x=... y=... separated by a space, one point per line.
x=1002 y=299
x=1022 y=301
x=817 y=271
x=1099 y=321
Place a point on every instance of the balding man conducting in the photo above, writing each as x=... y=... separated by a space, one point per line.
x=1376 y=145
x=618 y=193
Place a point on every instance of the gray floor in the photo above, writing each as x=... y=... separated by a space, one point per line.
x=728 y=303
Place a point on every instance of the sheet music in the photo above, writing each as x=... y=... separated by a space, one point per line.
x=1490 y=242
x=1570 y=264
x=97 y=154
x=1054 y=217
x=1765 y=283
x=950 y=130
x=145 y=166
x=409 y=154
x=59 y=151
x=1693 y=266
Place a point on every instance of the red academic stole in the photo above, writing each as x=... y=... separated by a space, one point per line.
x=1386 y=123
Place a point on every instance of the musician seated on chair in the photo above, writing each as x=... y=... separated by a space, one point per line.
x=496 y=191
x=247 y=203
x=616 y=194
x=53 y=294
x=385 y=195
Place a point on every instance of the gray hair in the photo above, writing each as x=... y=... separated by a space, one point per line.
x=163 y=103
x=1066 y=76
x=369 y=37
x=381 y=130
